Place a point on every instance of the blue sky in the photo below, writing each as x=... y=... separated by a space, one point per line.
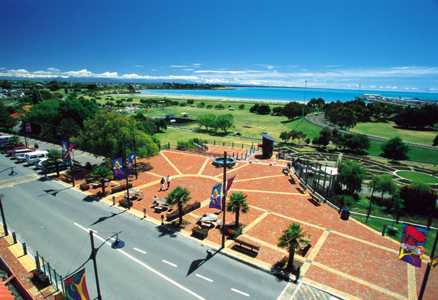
x=389 y=44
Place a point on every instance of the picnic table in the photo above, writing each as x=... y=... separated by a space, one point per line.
x=160 y=205
x=134 y=194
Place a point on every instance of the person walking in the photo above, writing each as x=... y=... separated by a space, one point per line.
x=162 y=184
x=168 y=182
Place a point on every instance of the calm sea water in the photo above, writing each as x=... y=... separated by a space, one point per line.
x=288 y=94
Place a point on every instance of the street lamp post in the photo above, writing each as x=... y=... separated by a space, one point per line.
x=428 y=267
x=5 y=226
x=224 y=195
x=93 y=257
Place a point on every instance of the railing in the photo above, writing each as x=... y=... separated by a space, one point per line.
x=15 y=281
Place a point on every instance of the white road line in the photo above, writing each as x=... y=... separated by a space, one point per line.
x=297 y=288
x=83 y=228
x=169 y=263
x=147 y=267
x=203 y=277
x=240 y=292
x=139 y=250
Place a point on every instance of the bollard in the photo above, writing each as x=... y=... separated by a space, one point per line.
x=37 y=261
x=144 y=213
x=114 y=200
x=50 y=272
x=384 y=230
x=24 y=249
x=14 y=238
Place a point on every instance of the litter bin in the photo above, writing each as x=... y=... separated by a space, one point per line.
x=345 y=213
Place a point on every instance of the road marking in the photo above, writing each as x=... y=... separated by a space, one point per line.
x=149 y=268
x=296 y=289
x=83 y=228
x=169 y=263
x=240 y=292
x=203 y=277
x=139 y=250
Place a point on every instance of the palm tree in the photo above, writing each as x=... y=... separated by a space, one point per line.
x=373 y=184
x=101 y=174
x=237 y=204
x=53 y=156
x=178 y=196
x=291 y=239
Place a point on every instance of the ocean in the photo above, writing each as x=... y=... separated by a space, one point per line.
x=286 y=94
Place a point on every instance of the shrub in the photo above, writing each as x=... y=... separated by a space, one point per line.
x=418 y=198
x=242 y=106
x=219 y=106
x=190 y=101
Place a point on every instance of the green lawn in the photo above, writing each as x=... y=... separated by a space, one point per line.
x=388 y=130
x=418 y=154
x=418 y=177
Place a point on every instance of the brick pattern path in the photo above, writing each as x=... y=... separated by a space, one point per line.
x=346 y=257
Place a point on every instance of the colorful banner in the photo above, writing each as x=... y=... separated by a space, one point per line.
x=230 y=183
x=76 y=286
x=119 y=172
x=131 y=159
x=216 y=196
x=412 y=244
x=65 y=151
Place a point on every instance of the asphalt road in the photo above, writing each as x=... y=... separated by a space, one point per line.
x=154 y=264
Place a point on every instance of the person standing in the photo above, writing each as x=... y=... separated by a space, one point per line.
x=162 y=184
x=168 y=181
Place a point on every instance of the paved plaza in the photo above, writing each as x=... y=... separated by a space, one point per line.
x=346 y=257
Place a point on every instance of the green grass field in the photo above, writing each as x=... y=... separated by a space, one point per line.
x=418 y=177
x=388 y=130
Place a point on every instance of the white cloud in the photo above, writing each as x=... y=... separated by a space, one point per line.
x=393 y=78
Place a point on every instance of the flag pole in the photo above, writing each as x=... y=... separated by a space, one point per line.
x=428 y=267
x=224 y=196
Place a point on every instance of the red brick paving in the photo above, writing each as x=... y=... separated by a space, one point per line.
x=160 y=166
x=431 y=292
x=258 y=170
x=187 y=163
x=365 y=262
x=271 y=227
x=273 y=184
x=340 y=283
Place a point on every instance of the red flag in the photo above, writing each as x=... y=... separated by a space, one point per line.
x=230 y=182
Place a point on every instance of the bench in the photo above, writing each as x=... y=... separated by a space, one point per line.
x=254 y=248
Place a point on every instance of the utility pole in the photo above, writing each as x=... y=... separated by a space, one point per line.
x=428 y=267
x=224 y=196
x=5 y=226
x=93 y=257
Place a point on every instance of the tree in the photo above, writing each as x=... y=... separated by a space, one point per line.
x=53 y=156
x=293 y=110
x=395 y=149
x=357 y=143
x=296 y=135
x=242 y=106
x=385 y=184
x=324 y=138
x=418 y=198
x=351 y=174
x=237 y=204
x=291 y=239
x=101 y=174
x=6 y=121
x=178 y=196
x=207 y=120
x=435 y=141
x=284 y=136
x=373 y=183
x=224 y=122
x=111 y=134
x=264 y=109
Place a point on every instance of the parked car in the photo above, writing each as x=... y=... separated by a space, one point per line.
x=48 y=166
x=39 y=164
x=19 y=154
x=35 y=156
x=11 y=149
x=5 y=139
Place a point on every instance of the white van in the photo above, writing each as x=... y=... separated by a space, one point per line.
x=5 y=139
x=19 y=153
x=35 y=156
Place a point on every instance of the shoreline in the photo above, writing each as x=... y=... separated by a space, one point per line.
x=214 y=98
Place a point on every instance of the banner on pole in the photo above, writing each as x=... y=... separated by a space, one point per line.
x=65 y=150
x=412 y=244
x=131 y=159
x=230 y=183
x=28 y=128
x=118 y=170
x=76 y=286
x=216 y=196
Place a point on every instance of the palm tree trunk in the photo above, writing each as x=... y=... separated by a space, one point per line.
x=102 y=183
x=180 y=212
x=290 y=260
x=369 y=207
x=237 y=217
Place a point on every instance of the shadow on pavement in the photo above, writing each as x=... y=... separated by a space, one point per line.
x=199 y=262
x=90 y=198
x=167 y=229
x=54 y=192
x=101 y=219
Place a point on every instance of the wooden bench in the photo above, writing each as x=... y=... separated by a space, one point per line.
x=254 y=248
